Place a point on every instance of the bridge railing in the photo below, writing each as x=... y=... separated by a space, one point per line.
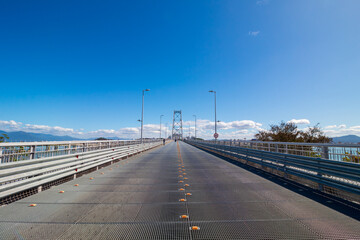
x=20 y=151
x=331 y=151
x=335 y=177
x=28 y=168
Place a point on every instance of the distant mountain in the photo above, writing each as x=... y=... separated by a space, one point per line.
x=35 y=137
x=38 y=137
x=347 y=139
x=110 y=138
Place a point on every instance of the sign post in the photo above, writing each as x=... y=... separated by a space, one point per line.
x=216 y=135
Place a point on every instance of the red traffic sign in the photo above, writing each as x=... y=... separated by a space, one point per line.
x=216 y=135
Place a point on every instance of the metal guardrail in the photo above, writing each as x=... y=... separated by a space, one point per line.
x=331 y=151
x=335 y=174
x=35 y=172
x=20 y=151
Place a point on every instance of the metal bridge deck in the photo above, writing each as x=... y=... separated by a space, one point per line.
x=138 y=198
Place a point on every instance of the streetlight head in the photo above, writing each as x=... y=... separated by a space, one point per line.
x=146 y=90
x=211 y=91
x=139 y=120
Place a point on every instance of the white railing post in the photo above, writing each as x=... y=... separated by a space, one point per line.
x=325 y=152
x=32 y=152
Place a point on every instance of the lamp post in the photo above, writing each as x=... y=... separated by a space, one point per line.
x=166 y=130
x=215 y=135
x=160 y=124
x=142 y=113
x=195 y=126
x=189 y=131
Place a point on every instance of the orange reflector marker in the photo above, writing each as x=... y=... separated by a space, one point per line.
x=32 y=205
x=181 y=189
x=76 y=185
x=182 y=200
x=185 y=178
x=181 y=181
x=91 y=178
x=61 y=191
x=102 y=173
x=188 y=194
x=184 y=216
x=184 y=173
x=186 y=185
x=180 y=175
x=194 y=228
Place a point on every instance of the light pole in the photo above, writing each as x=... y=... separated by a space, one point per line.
x=142 y=113
x=139 y=120
x=166 y=130
x=189 y=131
x=215 y=114
x=160 y=124
x=195 y=126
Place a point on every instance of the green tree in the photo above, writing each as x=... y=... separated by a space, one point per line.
x=101 y=138
x=284 y=132
x=3 y=137
x=314 y=135
x=289 y=132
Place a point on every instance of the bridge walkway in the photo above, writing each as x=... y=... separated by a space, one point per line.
x=144 y=197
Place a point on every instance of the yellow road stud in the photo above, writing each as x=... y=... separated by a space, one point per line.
x=194 y=228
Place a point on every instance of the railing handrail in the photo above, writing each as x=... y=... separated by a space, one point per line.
x=22 y=151
x=331 y=151
x=292 y=143
x=43 y=143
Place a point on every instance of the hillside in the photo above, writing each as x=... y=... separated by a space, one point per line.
x=35 y=137
x=347 y=139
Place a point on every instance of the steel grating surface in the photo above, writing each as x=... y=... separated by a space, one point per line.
x=138 y=198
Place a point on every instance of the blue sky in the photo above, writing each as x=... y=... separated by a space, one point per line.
x=80 y=66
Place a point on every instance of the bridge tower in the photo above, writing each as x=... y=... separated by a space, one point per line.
x=177 y=129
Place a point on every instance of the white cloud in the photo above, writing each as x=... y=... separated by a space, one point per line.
x=227 y=130
x=299 y=121
x=262 y=2
x=209 y=125
x=330 y=127
x=205 y=129
x=254 y=33
x=341 y=130
x=10 y=124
